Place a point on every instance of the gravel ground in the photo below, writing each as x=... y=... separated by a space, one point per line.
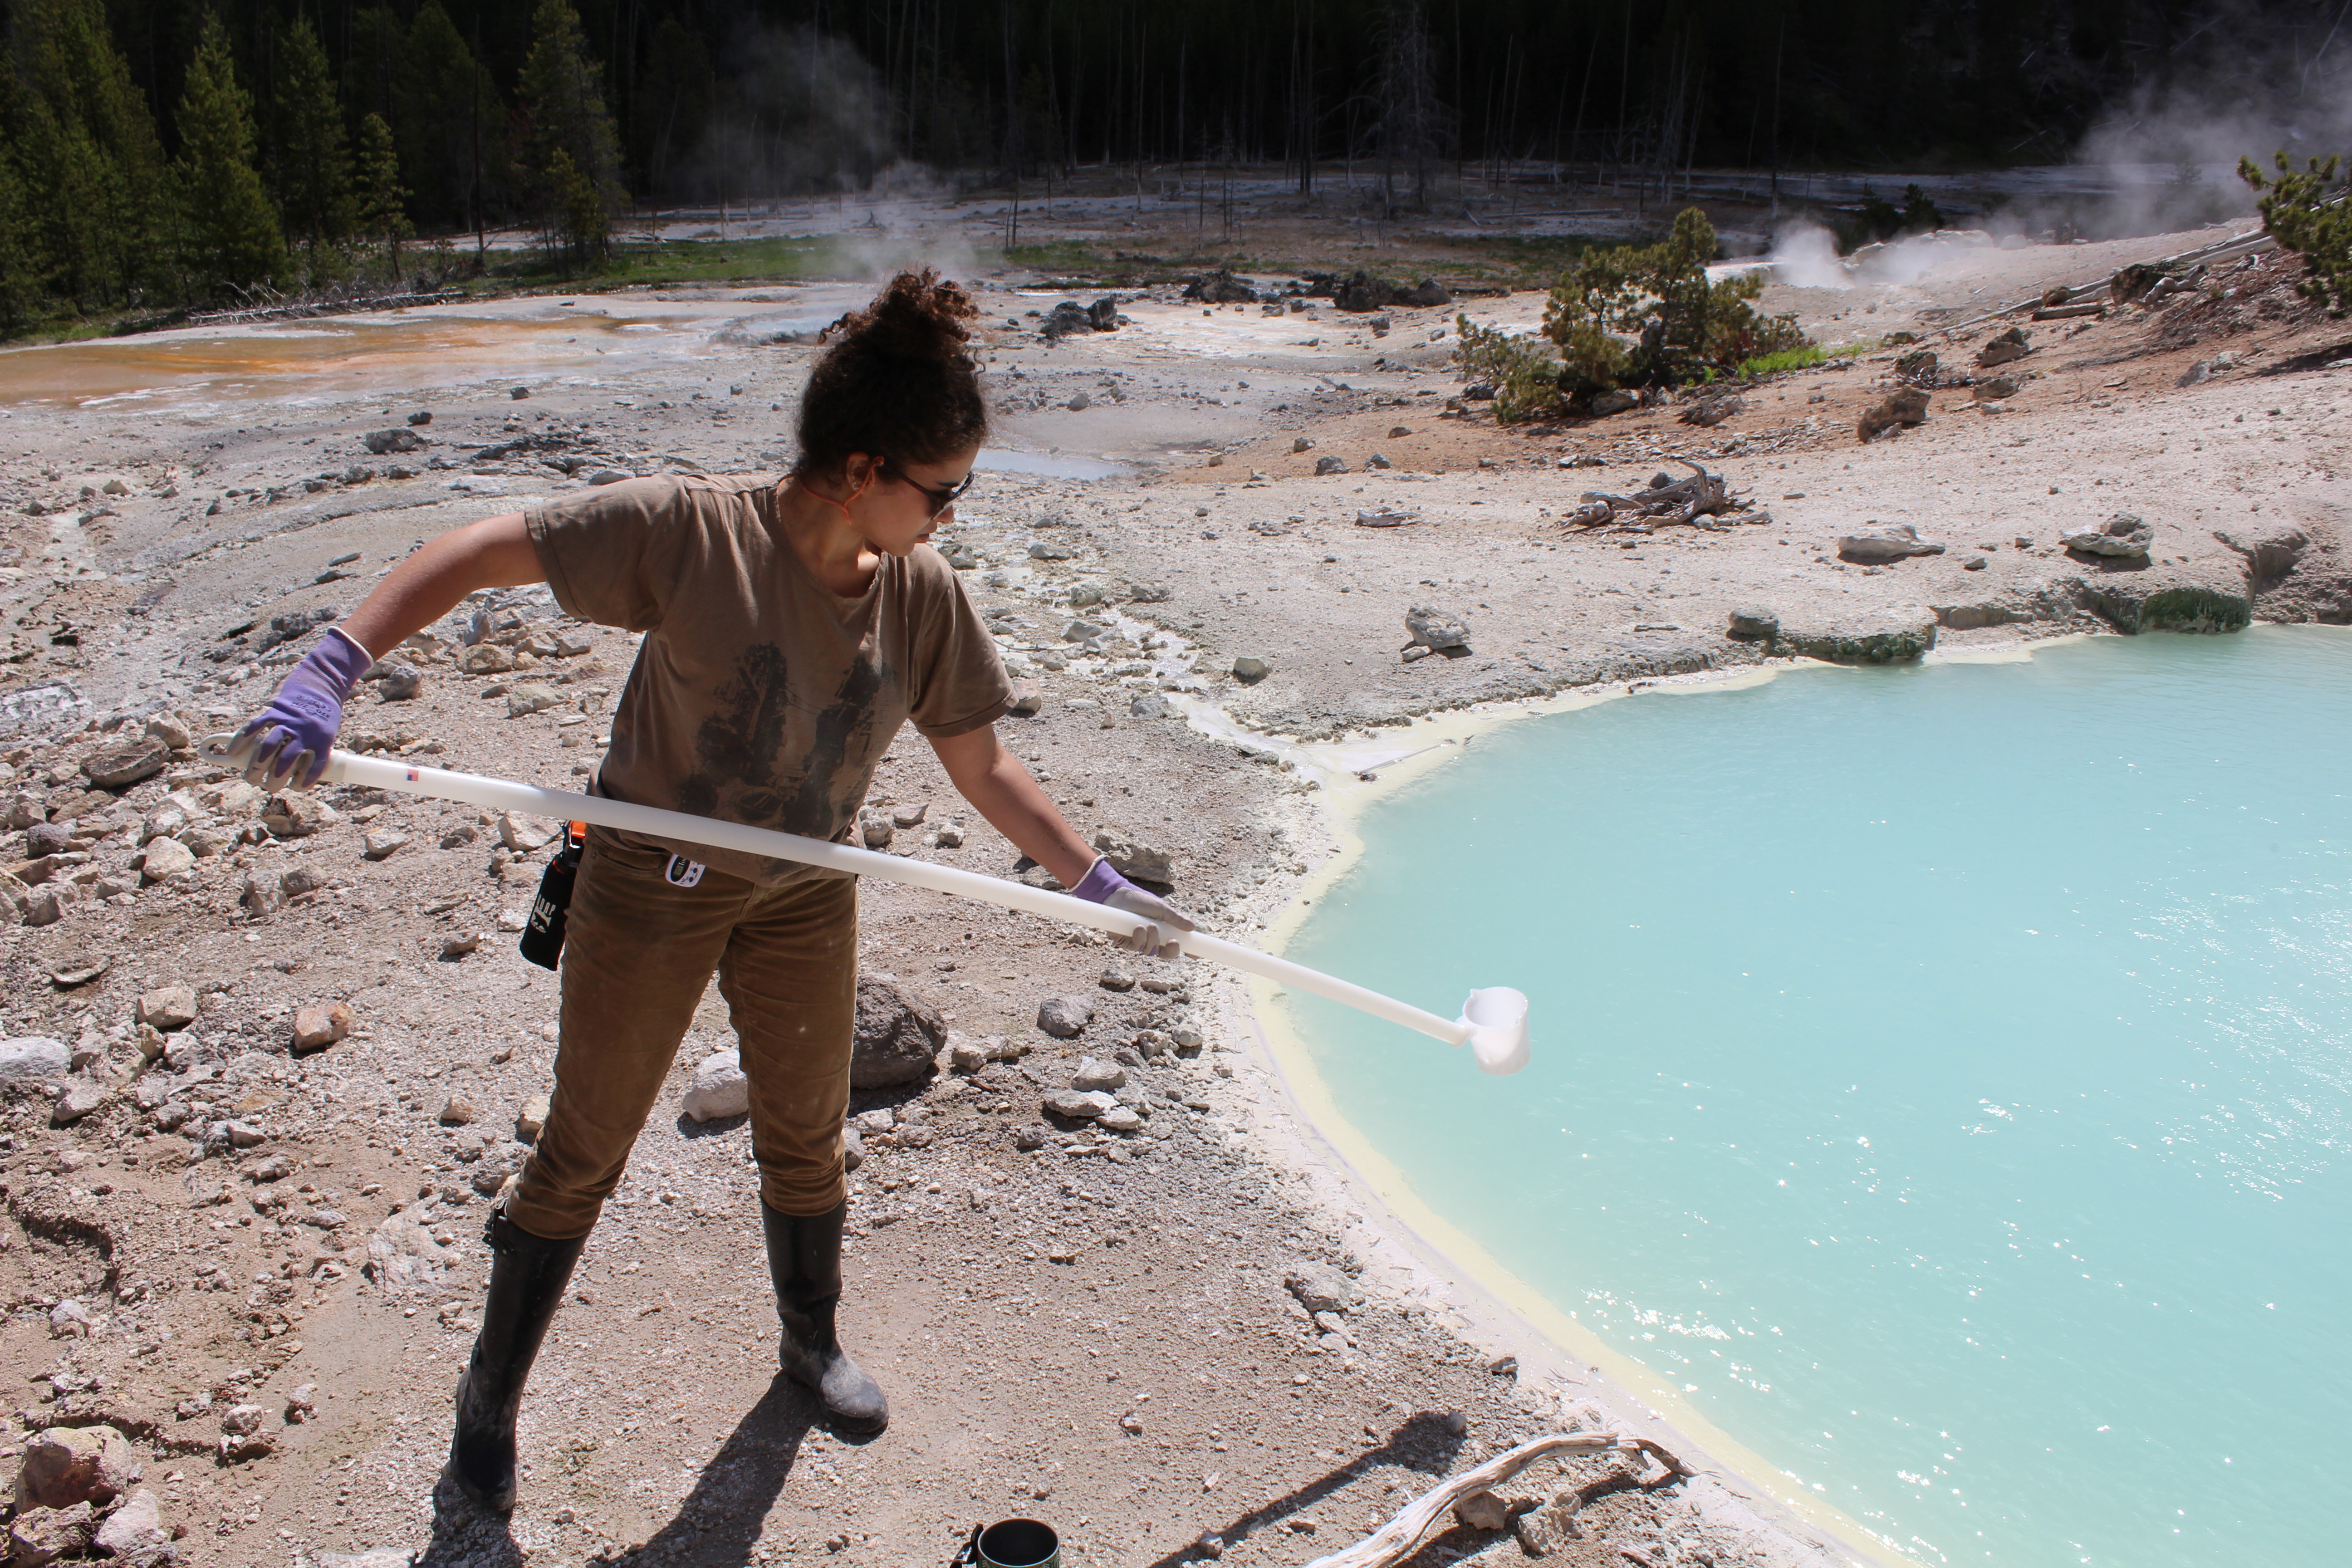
x=1102 y=1330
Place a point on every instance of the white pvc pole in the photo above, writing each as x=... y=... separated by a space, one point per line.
x=504 y=795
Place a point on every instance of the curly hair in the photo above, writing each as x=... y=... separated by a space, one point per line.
x=895 y=379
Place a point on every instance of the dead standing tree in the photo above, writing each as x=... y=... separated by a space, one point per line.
x=1410 y=125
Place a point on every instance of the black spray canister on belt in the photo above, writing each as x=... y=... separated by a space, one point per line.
x=543 y=939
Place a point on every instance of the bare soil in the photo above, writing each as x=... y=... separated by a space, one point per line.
x=1099 y=1332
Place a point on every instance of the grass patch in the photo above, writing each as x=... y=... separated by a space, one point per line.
x=1786 y=360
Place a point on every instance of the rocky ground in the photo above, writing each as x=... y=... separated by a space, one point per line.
x=270 y=1057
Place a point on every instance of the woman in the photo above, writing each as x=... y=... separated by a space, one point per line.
x=790 y=627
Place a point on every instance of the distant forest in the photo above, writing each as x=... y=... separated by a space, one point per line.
x=165 y=153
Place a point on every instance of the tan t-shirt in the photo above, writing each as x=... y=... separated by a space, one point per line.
x=759 y=695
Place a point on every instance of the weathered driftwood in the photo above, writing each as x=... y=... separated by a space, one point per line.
x=1395 y=1541
x=1684 y=500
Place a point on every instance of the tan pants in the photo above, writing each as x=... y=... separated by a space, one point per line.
x=637 y=952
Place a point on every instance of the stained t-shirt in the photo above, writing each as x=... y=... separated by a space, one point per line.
x=759 y=695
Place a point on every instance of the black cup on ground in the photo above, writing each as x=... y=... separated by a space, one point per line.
x=1011 y=1543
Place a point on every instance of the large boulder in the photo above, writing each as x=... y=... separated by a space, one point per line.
x=2123 y=537
x=1435 y=628
x=898 y=1033
x=1877 y=545
x=40 y=1536
x=34 y=1056
x=67 y=1464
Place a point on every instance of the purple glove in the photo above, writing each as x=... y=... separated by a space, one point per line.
x=289 y=740
x=1101 y=885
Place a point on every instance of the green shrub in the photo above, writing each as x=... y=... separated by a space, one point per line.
x=1526 y=378
x=1787 y=359
x=1647 y=315
x=2311 y=221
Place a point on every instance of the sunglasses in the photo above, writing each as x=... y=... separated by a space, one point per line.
x=941 y=497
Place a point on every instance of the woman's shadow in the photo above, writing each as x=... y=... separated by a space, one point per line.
x=718 y=1522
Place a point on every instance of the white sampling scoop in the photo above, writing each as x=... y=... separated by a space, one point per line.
x=1493 y=1022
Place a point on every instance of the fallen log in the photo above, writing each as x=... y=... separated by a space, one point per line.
x=1395 y=1541
x=1683 y=502
x=2065 y=312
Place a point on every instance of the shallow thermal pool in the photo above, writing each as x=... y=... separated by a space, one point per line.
x=1943 y=1076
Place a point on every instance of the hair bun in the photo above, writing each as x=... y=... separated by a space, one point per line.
x=917 y=317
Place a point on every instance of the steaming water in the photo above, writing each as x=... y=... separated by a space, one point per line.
x=1941 y=1075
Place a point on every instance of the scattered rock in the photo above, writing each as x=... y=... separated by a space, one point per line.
x=1436 y=629
x=1890 y=541
x=1150 y=705
x=2123 y=537
x=1130 y=856
x=1120 y=1118
x=167 y=1008
x=1483 y=1511
x=40 y=1536
x=1250 y=670
x=1063 y=1018
x=1329 y=465
x=719 y=1089
x=1116 y=979
x=381 y=443
x=1604 y=404
x=526 y=835
x=1320 y=1288
x=1079 y=1105
x=457 y=944
x=1751 y=623
x=320 y=1025
x=1714 y=411
x=1095 y=1074
x=1031 y=1136
x=2010 y=345
x=293 y=813
x=301 y=1404
x=77 y=1099
x=457 y=1112
x=69 y=1319
x=403 y=1255
x=526 y=700
x=910 y=815
x=531 y=1120
x=382 y=843
x=898 y=1033
x=68 y=1465
x=126 y=763
x=135 y=1527
x=1904 y=405
x=242 y=1437
x=1994 y=389
x=486 y=658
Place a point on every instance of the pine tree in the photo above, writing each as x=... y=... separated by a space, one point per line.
x=20 y=282
x=566 y=107
x=449 y=120
x=382 y=216
x=91 y=166
x=313 y=167
x=229 y=225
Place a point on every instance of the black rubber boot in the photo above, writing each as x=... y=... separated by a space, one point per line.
x=804 y=1260
x=527 y=1279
